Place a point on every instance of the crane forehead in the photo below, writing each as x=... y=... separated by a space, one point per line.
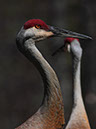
x=69 y=40
x=33 y=22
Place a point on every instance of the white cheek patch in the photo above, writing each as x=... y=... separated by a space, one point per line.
x=44 y=33
x=37 y=32
x=68 y=47
x=29 y=32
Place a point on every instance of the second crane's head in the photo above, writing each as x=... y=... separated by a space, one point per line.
x=36 y=30
x=71 y=45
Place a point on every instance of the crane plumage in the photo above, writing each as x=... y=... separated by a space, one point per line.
x=78 y=118
x=51 y=113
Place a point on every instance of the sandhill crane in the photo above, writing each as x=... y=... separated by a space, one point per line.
x=78 y=118
x=51 y=113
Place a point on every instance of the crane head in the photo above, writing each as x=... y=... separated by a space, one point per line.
x=68 y=43
x=71 y=45
x=36 y=30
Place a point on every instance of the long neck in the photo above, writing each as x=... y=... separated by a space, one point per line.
x=52 y=101
x=77 y=96
x=78 y=118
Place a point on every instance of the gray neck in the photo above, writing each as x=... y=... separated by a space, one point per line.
x=76 y=80
x=78 y=118
x=52 y=92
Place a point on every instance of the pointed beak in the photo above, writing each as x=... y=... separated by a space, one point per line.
x=66 y=33
x=64 y=48
x=60 y=49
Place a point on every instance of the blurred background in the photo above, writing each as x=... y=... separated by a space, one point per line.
x=21 y=86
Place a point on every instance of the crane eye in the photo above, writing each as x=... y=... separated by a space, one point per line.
x=37 y=26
